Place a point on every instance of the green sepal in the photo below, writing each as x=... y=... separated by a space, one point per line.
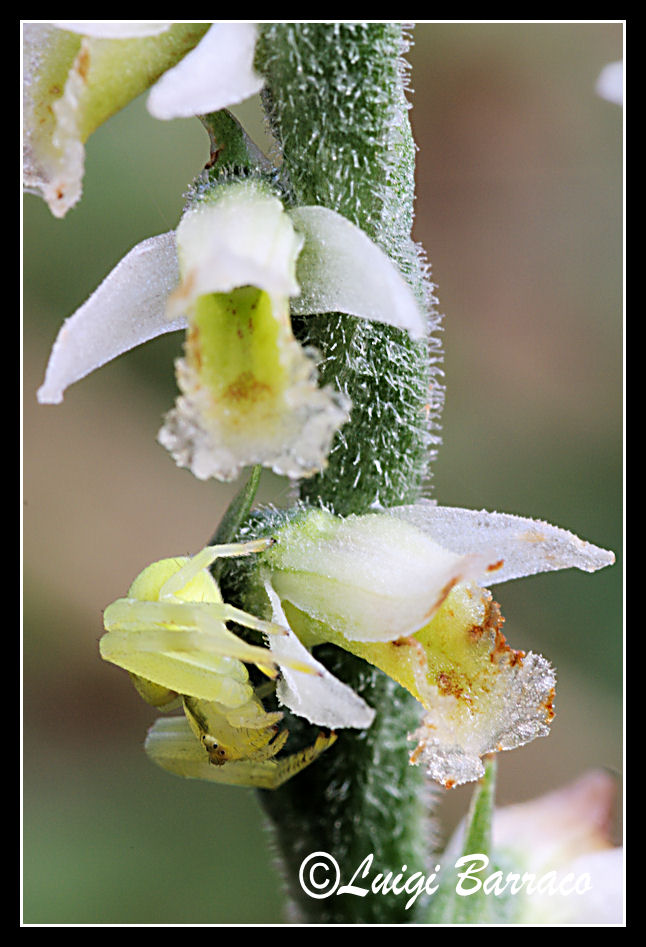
x=235 y=515
x=231 y=147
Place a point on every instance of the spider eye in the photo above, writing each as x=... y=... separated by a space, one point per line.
x=217 y=755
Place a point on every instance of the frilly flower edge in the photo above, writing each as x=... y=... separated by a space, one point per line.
x=228 y=274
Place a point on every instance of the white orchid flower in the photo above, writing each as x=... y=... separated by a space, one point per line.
x=561 y=844
x=404 y=589
x=610 y=83
x=228 y=274
x=76 y=75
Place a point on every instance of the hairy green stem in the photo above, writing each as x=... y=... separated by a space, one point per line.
x=335 y=97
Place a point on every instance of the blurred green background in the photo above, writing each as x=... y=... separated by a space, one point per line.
x=520 y=210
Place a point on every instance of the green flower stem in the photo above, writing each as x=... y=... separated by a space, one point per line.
x=447 y=906
x=461 y=901
x=237 y=511
x=335 y=98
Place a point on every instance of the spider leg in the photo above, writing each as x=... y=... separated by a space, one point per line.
x=203 y=559
x=136 y=626
x=291 y=765
x=172 y=745
x=205 y=619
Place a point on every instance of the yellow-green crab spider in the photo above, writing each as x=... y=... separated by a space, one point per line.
x=172 y=745
x=169 y=633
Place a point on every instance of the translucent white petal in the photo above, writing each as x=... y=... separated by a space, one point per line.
x=516 y=709
x=216 y=74
x=369 y=578
x=128 y=308
x=242 y=238
x=516 y=546
x=112 y=29
x=321 y=698
x=341 y=270
x=610 y=84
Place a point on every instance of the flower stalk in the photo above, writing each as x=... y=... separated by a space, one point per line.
x=335 y=95
x=336 y=101
x=311 y=348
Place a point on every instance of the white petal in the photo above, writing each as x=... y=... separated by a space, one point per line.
x=216 y=74
x=321 y=698
x=515 y=545
x=602 y=903
x=112 y=29
x=562 y=837
x=561 y=825
x=341 y=270
x=128 y=308
x=242 y=238
x=370 y=578
x=567 y=831
x=610 y=84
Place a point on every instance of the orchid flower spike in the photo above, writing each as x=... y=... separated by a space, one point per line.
x=249 y=392
x=404 y=589
x=76 y=75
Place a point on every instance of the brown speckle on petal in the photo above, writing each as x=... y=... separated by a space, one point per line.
x=83 y=61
